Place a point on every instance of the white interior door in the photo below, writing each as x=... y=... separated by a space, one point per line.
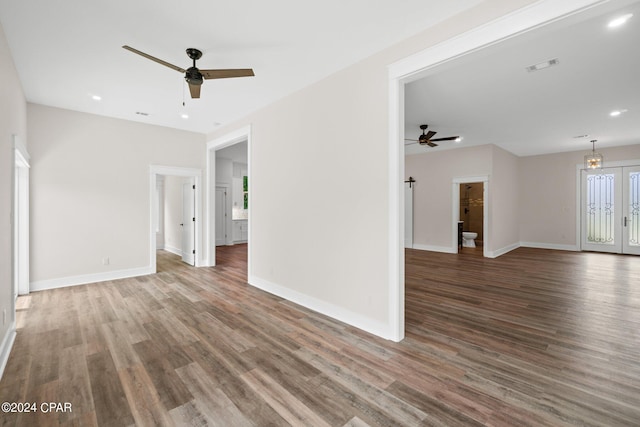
x=611 y=210
x=188 y=222
x=408 y=215
x=221 y=216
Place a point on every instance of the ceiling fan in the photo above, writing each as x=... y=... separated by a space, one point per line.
x=427 y=138
x=193 y=75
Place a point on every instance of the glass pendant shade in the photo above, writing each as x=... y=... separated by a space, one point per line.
x=593 y=160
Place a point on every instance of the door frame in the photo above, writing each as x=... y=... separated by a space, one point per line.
x=154 y=172
x=455 y=209
x=20 y=219
x=627 y=248
x=226 y=140
x=416 y=66
x=579 y=169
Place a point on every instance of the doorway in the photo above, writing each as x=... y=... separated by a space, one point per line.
x=413 y=68
x=175 y=217
x=471 y=212
x=191 y=178
x=235 y=175
x=610 y=210
x=21 y=220
x=477 y=215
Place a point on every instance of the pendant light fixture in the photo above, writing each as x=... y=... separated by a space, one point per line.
x=593 y=160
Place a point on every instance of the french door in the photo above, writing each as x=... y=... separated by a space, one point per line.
x=610 y=210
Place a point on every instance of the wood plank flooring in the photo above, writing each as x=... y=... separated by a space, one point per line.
x=533 y=338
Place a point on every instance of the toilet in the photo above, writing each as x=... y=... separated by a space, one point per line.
x=468 y=239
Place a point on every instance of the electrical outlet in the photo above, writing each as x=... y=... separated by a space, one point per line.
x=105 y=261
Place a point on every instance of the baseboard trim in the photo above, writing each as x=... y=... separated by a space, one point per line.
x=502 y=251
x=555 y=246
x=173 y=250
x=341 y=314
x=41 y=285
x=6 y=346
x=444 y=249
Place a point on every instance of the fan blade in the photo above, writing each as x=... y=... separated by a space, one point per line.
x=153 y=58
x=225 y=74
x=430 y=134
x=431 y=144
x=414 y=140
x=195 y=90
x=449 y=138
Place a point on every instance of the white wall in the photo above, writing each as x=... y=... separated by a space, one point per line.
x=504 y=202
x=435 y=172
x=323 y=152
x=13 y=121
x=224 y=170
x=433 y=194
x=90 y=192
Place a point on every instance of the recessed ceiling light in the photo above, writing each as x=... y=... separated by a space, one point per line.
x=543 y=65
x=458 y=139
x=620 y=20
x=96 y=97
x=616 y=113
x=184 y=116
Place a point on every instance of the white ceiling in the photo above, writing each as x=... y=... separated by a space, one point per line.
x=67 y=51
x=488 y=97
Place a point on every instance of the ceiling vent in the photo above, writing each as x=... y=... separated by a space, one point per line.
x=543 y=65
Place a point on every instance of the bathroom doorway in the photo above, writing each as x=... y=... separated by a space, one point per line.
x=472 y=214
x=470 y=209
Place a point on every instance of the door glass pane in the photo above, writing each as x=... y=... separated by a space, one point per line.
x=600 y=212
x=633 y=221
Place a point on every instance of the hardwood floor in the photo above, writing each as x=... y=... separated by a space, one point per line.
x=533 y=338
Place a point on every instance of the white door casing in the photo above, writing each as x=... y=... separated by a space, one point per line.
x=412 y=68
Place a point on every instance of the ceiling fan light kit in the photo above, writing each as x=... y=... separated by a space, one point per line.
x=194 y=76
